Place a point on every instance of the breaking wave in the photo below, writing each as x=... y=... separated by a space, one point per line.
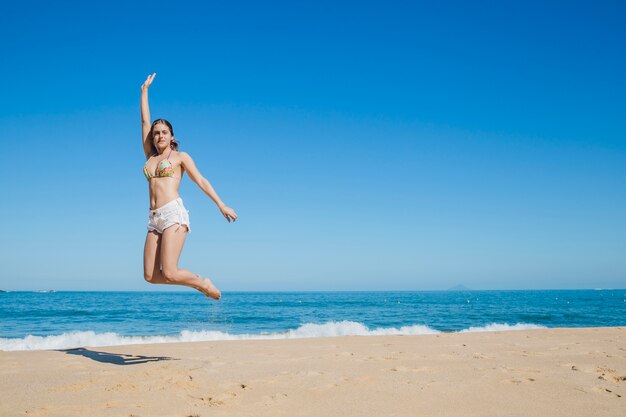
x=330 y=329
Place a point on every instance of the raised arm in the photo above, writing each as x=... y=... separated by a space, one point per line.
x=205 y=186
x=145 y=116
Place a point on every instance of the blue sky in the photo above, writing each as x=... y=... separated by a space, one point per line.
x=364 y=146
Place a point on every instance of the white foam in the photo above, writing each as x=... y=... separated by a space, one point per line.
x=329 y=329
x=498 y=327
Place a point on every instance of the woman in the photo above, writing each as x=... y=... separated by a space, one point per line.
x=168 y=221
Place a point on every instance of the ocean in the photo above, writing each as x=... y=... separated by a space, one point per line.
x=67 y=319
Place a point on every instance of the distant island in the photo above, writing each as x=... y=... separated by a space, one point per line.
x=459 y=288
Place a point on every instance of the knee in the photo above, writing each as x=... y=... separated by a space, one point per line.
x=152 y=276
x=169 y=274
x=148 y=276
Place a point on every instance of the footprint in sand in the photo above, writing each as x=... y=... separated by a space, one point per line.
x=605 y=391
x=274 y=398
x=517 y=381
x=407 y=369
x=215 y=401
x=512 y=381
x=607 y=373
x=212 y=402
x=570 y=366
x=125 y=386
x=530 y=370
x=182 y=383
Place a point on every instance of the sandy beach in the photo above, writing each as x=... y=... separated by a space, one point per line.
x=546 y=372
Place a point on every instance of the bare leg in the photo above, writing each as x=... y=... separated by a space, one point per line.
x=152 y=259
x=154 y=275
x=172 y=242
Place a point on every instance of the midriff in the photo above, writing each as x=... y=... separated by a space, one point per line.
x=163 y=190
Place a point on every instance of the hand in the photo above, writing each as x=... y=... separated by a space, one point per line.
x=148 y=81
x=228 y=213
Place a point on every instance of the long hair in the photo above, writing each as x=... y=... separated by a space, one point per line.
x=173 y=143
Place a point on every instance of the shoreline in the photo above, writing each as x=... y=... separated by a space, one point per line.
x=75 y=339
x=553 y=371
x=332 y=329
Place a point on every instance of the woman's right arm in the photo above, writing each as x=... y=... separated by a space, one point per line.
x=145 y=117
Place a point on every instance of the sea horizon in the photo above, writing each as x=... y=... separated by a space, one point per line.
x=187 y=290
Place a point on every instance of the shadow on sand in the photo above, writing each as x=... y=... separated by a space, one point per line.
x=115 y=358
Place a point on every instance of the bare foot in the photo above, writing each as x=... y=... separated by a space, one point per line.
x=210 y=290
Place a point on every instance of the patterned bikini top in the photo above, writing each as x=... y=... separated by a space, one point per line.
x=164 y=168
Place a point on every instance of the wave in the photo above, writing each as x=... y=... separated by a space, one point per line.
x=497 y=327
x=330 y=329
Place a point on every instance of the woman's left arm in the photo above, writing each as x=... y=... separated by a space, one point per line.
x=205 y=186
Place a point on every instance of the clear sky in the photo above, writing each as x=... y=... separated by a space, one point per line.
x=363 y=145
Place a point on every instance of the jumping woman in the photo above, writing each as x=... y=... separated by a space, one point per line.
x=168 y=220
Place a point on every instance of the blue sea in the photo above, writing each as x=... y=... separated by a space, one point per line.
x=58 y=320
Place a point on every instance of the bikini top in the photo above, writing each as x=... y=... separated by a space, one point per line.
x=164 y=168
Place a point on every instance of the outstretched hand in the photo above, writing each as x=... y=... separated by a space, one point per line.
x=148 y=81
x=228 y=213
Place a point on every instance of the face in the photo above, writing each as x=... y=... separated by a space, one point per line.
x=161 y=135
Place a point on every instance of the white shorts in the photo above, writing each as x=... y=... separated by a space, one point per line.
x=168 y=215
